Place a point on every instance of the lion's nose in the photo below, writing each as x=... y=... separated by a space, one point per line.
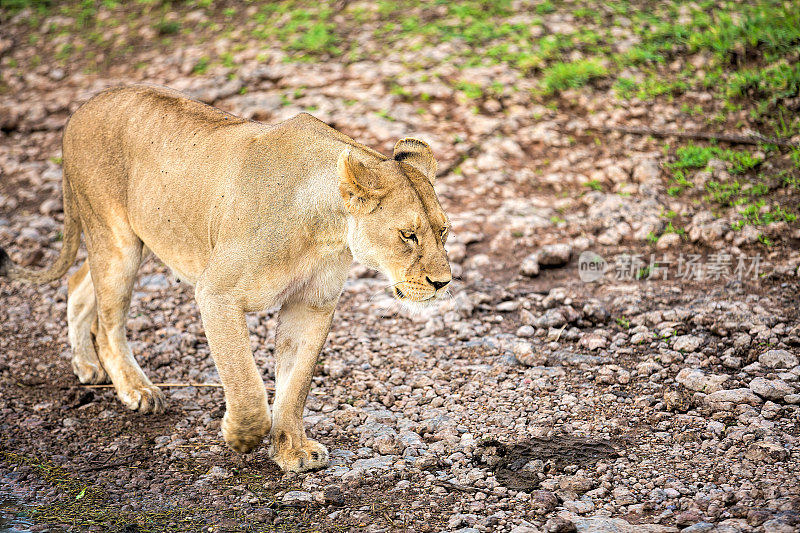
x=437 y=284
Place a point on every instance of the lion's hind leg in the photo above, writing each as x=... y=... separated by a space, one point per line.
x=115 y=253
x=81 y=321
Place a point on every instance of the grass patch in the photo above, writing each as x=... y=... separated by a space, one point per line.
x=572 y=75
x=695 y=156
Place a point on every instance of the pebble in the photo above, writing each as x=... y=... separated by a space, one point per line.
x=554 y=255
x=778 y=359
x=735 y=396
x=297 y=497
x=771 y=389
x=530 y=266
x=687 y=343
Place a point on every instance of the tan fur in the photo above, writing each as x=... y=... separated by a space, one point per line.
x=253 y=216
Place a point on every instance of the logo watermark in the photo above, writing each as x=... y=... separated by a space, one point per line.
x=591 y=266
x=718 y=266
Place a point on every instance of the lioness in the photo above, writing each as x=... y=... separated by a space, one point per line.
x=253 y=216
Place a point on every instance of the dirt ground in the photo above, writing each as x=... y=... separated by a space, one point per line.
x=660 y=395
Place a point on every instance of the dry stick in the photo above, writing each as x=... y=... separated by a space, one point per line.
x=699 y=135
x=216 y=385
x=123 y=462
x=109 y=385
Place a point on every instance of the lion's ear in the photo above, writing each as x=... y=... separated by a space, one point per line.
x=357 y=186
x=417 y=154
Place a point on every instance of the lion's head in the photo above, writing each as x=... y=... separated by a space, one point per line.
x=397 y=225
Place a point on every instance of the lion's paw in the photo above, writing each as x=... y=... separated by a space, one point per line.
x=244 y=437
x=145 y=399
x=89 y=372
x=310 y=456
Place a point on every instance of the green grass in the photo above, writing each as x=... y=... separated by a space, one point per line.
x=571 y=75
x=772 y=84
x=595 y=185
x=755 y=214
x=695 y=156
x=201 y=66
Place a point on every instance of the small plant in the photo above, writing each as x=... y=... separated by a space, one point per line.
x=201 y=66
x=595 y=185
x=623 y=322
x=473 y=91
x=572 y=75
x=672 y=229
x=383 y=113
x=168 y=27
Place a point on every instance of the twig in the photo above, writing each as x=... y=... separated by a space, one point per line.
x=456 y=486
x=110 y=386
x=123 y=462
x=215 y=385
x=699 y=135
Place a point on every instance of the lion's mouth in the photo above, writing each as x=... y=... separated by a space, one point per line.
x=399 y=293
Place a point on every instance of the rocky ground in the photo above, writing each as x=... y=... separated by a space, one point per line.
x=660 y=395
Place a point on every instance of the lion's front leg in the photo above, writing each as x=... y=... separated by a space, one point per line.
x=247 y=418
x=301 y=333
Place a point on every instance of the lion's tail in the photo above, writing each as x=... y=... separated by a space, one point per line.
x=69 y=249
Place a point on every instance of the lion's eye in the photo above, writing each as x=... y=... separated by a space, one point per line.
x=444 y=234
x=409 y=236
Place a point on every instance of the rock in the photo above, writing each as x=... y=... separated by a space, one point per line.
x=593 y=341
x=333 y=495
x=699 y=527
x=555 y=255
x=525 y=331
x=543 y=501
x=771 y=389
x=380 y=462
x=742 y=340
x=462 y=519
x=735 y=396
x=579 y=506
x=297 y=497
x=792 y=399
x=577 y=483
x=697 y=380
x=623 y=496
x=48 y=207
x=781 y=525
x=552 y=318
x=524 y=528
x=687 y=518
x=604 y=524
x=217 y=472
x=530 y=266
x=558 y=524
x=508 y=307
x=778 y=359
x=466 y=530
x=456 y=252
x=687 y=343
x=766 y=452
x=525 y=353
x=9 y=118
x=595 y=311
x=667 y=241
x=646 y=170
x=770 y=410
